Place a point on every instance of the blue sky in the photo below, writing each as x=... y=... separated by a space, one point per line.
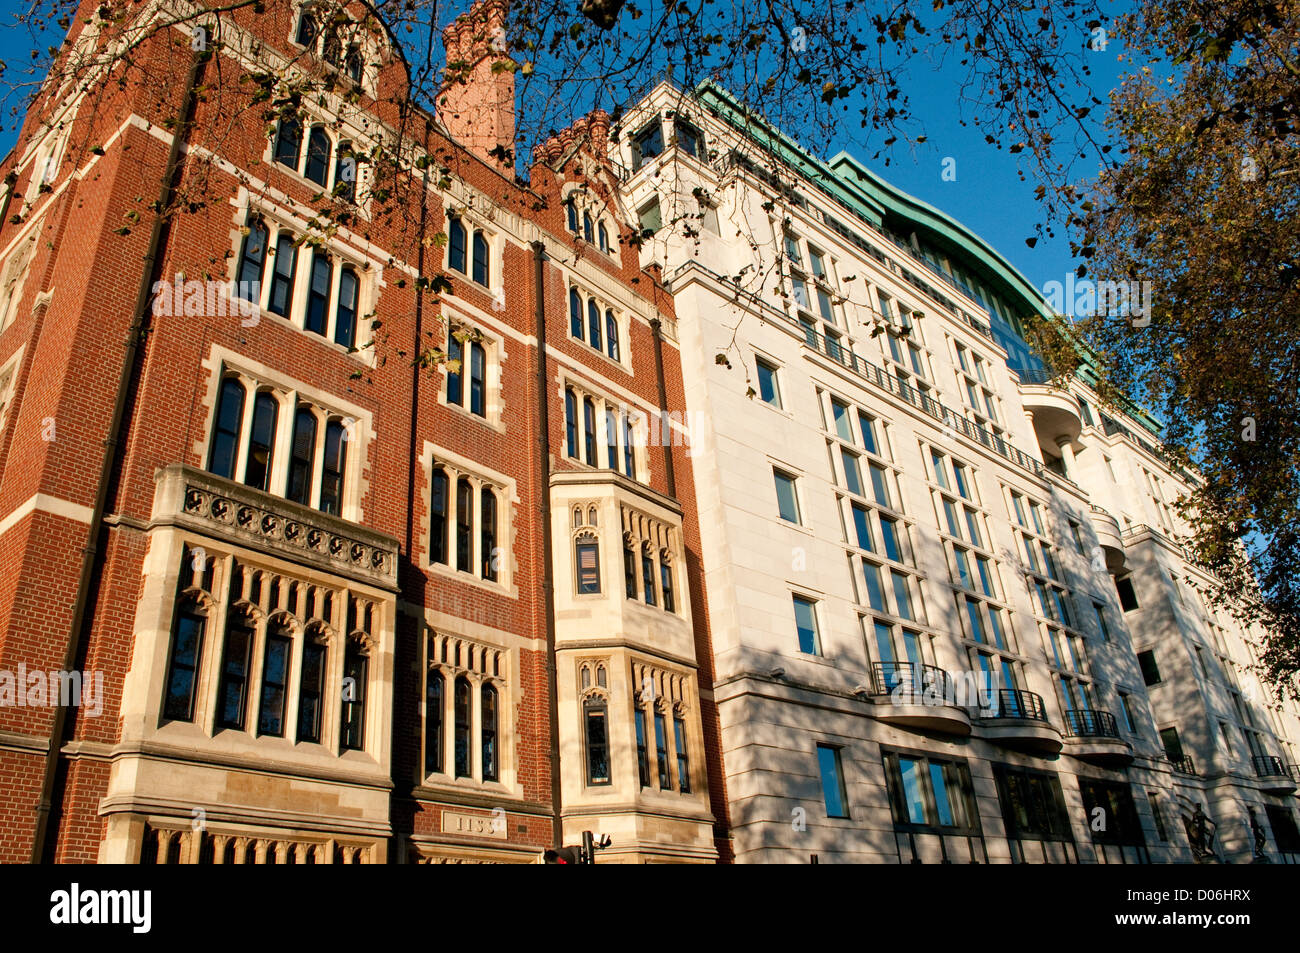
x=987 y=195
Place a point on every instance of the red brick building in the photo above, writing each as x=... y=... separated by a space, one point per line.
x=362 y=577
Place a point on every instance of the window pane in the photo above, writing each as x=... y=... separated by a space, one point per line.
x=913 y=798
x=862 y=526
x=588 y=561
x=875 y=594
x=852 y=471
x=787 y=503
x=940 y=787
x=902 y=596
x=879 y=485
x=805 y=618
x=828 y=760
x=889 y=534
x=187 y=643
x=768 y=388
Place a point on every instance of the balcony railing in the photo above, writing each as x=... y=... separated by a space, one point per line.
x=910 y=679
x=1183 y=765
x=1267 y=766
x=1033 y=375
x=1090 y=723
x=1018 y=703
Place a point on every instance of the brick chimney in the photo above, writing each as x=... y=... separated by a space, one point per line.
x=477 y=103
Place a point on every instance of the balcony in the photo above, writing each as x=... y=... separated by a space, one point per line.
x=1057 y=418
x=1019 y=720
x=1183 y=765
x=1092 y=735
x=1273 y=774
x=1110 y=537
x=918 y=697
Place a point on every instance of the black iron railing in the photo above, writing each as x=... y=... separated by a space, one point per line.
x=1090 y=723
x=907 y=678
x=1183 y=765
x=1267 y=766
x=1018 y=703
x=1033 y=375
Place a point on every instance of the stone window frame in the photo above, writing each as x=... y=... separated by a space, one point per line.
x=663 y=543
x=482 y=663
x=368 y=46
x=580 y=198
x=631 y=419
x=480 y=476
x=290 y=395
x=665 y=691
x=605 y=310
x=494 y=357
x=475 y=223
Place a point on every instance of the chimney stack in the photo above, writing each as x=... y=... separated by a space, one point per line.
x=477 y=102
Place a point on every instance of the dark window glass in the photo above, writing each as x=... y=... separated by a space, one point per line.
x=769 y=389
x=225 y=437
x=311 y=695
x=1173 y=745
x=666 y=584
x=345 y=173
x=1118 y=810
x=251 y=259
x=611 y=334
x=571 y=215
x=345 y=320
x=1285 y=832
x=335 y=465
x=689 y=140
x=288 y=143
x=629 y=570
x=477 y=370
x=597 y=743
x=438 y=521
x=355 y=670
x=187 y=649
x=787 y=501
x=642 y=753
x=333 y=52
x=1033 y=807
x=661 y=753
x=480 y=259
x=589 y=430
x=433 y=729
x=275 y=684
x=593 y=324
x=353 y=65
x=261 y=441
x=306 y=30
x=280 y=300
x=318 y=155
x=233 y=697
x=603 y=237
x=488 y=533
x=1127 y=595
x=611 y=435
x=489 y=707
x=587 y=556
x=648 y=578
x=683 y=757
x=571 y=423
x=575 y=313
x=629 y=454
x=456 y=244
x=648 y=144
x=833 y=792
x=1150 y=671
x=587 y=226
x=805 y=620
x=464 y=525
x=318 y=293
x=455 y=369
x=302 y=457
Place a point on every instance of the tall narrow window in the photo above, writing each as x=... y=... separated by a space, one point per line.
x=642 y=753
x=666 y=583
x=439 y=498
x=603 y=235
x=488 y=533
x=456 y=243
x=661 y=753
x=587 y=230
x=571 y=215
x=334 y=466
x=355 y=670
x=306 y=30
x=571 y=422
x=611 y=436
x=288 y=143
x=318 y=155
x=629 y=569
x=481 y=270
x=182 y=670
x=648 y=576
x=345 y=319
x=462 y=739
x=433 y=712
x=805 y=620
x=611 y=334
x=261 y=441
x=833 y=792
x=593 y=324
x=280 y=300
x=477 y=371
x=302 y=458
x=575 y=313
x=786 y=498
x=629 y=455
x=464 y=525
x=275 y=683
x=252 y=257
x=597 y=741
x=589 y=430
x=225 y=436
x=683 y=757
x=318 y=293
x=587 y=559
x=345 y=174
x=353 y=65
x=489 y=733
x=233 y=697
x=455 y=369
x=311 y=693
